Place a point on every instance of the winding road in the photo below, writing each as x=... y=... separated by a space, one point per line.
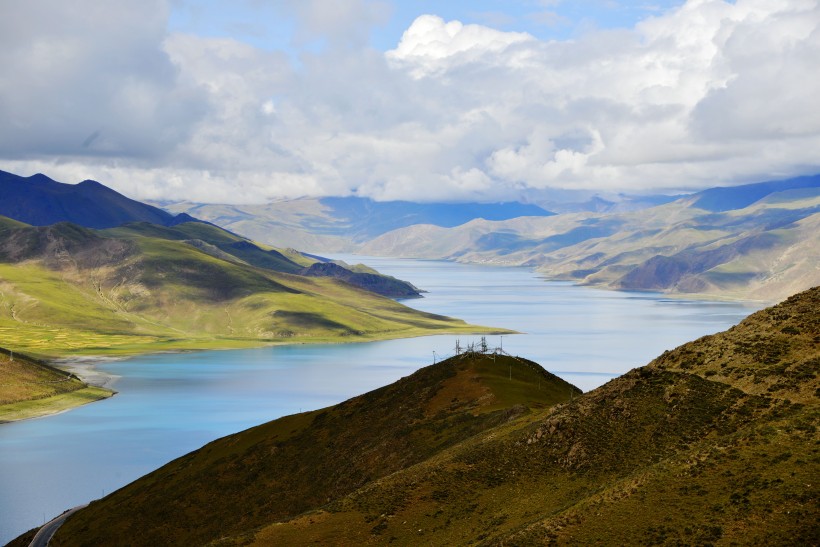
x=48 y=530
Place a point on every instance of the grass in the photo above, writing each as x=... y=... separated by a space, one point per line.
x=30 y=388
x=36 y=408
x=170 y=296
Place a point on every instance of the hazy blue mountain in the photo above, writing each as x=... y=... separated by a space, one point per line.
x=731 y=198
x=325 y=225
x=41 y=201
x=366 y=218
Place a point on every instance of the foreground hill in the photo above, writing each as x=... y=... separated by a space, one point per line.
x=281 y=469
x=30 y=388
x=714 y=442
x=68 y=289
x=757 y=241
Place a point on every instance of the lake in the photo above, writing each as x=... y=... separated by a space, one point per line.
x=170 y=404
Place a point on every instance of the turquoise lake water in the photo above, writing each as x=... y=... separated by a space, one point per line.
x=170 y=404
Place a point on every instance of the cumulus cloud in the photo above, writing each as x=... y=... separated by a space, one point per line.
x=91 y=78
x=709 y=93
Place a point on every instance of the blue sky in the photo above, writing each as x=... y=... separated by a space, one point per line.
x=253 y=100
x=269 y=25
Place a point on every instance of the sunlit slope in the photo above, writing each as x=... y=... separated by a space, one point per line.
x=279 y=470
x=225 y=245
x=766 y=250
x=23 y=378
x=31 y=388
x=67 y=289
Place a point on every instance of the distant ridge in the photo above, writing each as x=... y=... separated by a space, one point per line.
x=368 y=218
x=730 y=198
x=41 y=201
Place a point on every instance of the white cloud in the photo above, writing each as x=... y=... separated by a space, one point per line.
x=710 y=93
x=90 y=79
x=432 y=46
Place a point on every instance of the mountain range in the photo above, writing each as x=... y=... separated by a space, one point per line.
x=714 y=442
x=757 y=241
x=341 y=224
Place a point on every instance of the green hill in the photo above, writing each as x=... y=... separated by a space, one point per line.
x=30 y=388
x=65 y=290
x=714 y=442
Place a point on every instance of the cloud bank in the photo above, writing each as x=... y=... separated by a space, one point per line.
x=709 y=93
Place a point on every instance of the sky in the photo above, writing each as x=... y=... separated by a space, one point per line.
x=254 y=100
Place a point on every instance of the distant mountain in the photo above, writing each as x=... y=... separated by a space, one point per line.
x=714 y=442
x=341 y=224
x=366 y=218
x=731 y=198
x=41 y=201
x=620 y=204
x=758 y=241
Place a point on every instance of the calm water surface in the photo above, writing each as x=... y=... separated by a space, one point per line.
x=171 y=404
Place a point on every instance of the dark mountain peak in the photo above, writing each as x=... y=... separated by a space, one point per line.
x=37 y=178
x=183 y=218
x=40 y=201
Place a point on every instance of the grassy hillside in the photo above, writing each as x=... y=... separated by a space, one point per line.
x=713 y=443
x=29 y=388
x=283 y=468
x=225 y=245
x=70 y=290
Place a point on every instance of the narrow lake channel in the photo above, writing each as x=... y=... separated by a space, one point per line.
x=170 y=404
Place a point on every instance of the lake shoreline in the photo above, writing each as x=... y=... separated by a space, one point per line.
x=85 y=368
